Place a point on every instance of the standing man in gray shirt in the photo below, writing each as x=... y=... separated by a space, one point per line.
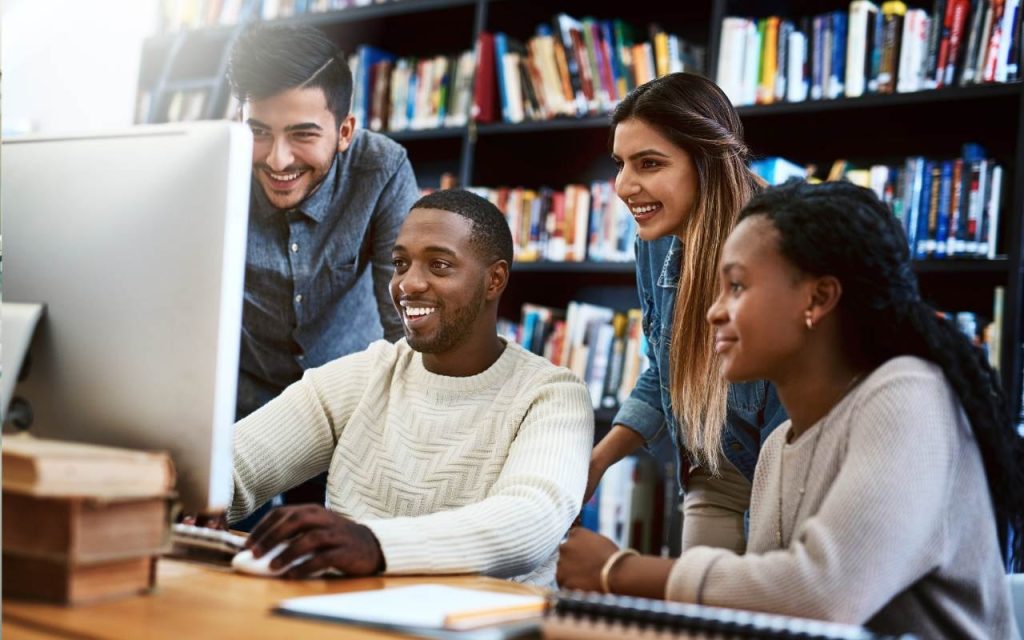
x=327 y=202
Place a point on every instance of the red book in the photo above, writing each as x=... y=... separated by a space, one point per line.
x=485 y=88
x=956 y=38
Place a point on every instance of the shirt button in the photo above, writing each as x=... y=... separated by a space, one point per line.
x=298 y=298
x=295 y=247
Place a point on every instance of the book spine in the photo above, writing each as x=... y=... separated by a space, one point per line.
x=857 y=47
x=837 y=66
x=893 y=13
x=934 y=38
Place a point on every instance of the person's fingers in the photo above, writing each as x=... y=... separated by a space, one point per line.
x=292 y=522
x=307 y=542
x=265 y=524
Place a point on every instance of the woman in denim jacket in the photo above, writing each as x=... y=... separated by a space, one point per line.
x=682 y=171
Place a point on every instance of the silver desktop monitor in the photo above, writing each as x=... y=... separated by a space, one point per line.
x=135 y=242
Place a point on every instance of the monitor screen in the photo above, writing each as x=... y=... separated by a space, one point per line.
x=135 y=243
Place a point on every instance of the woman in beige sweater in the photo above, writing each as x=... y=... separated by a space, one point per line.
x=880 y=501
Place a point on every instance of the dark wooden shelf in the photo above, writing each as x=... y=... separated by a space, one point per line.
x=557 y=124
x=574 y=267
x=930 y=96
x=425 y=134
x=962 y=265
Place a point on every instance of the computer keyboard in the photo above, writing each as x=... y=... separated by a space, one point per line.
x=214 y=545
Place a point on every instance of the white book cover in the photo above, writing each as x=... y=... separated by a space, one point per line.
x=513 y=87
x=908 y=76
x=731 y=56
x=995 y=195
x=423 y=606
x=1009 y=14
x=615 y=503
x=796 y=81
x=751 y=65
x=860 y=20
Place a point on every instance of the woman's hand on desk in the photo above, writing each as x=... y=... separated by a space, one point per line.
x=334 y=541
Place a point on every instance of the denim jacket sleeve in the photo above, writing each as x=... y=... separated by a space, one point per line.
x=642 y=410
x=394 y=202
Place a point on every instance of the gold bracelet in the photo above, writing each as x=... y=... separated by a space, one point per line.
x=610 y=563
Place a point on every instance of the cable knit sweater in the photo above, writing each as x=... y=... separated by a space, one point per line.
x=895 y=529
x=481 y=474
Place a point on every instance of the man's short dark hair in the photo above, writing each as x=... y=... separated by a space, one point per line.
x=269 y=59
x=491 y=236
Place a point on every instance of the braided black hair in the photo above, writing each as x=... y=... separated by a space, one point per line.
x=845 y=231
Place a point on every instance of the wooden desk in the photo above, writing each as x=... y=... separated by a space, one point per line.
x=199 y=601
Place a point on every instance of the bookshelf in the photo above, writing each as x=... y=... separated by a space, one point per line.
x=871 y=128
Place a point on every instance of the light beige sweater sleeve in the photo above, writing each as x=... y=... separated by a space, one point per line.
x=482 y=474
x=895 y=529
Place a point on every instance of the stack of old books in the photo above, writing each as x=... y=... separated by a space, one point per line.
x=82 y=523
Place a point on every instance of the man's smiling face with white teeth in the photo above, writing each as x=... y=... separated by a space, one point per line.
x=295 y=139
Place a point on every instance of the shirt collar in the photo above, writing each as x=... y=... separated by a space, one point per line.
x=672 y=266
x=314 y=207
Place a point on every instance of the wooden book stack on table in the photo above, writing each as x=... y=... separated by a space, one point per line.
x=82 y=523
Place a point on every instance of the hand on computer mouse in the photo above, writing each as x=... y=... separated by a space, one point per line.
x=330 y=540
x=245 y=562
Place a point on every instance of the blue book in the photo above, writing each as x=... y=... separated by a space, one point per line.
x=500 y=49
x=613 y=58
x=942 y=216
x=877 y=39
x=591 y=509
x=818 y=57
x=913 y=175
x=923 y=212
x=837 y=70
x=362 y=90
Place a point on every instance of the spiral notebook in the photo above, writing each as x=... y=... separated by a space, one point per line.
x=575 y=615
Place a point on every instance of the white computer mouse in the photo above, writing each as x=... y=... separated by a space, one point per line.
x=246 y=563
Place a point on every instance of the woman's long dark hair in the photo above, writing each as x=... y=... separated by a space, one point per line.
x=845 y=231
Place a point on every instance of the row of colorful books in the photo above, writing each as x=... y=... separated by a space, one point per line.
x=178 y=15
x=605 y=348
x=573 y=68
x=399 y=94
x=867 y=49
x=572 y=225
x=949 y=207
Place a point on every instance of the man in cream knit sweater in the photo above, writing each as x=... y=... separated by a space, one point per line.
x=451 y=451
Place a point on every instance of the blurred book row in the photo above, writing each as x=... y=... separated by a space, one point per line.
x=573 y=67
x=949 y=207
x=869 y=49
x=572 y=225
x=605 y=348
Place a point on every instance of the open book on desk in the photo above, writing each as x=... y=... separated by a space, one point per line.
x=429 y=610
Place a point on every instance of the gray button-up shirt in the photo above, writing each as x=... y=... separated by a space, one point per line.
x=316 y=277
